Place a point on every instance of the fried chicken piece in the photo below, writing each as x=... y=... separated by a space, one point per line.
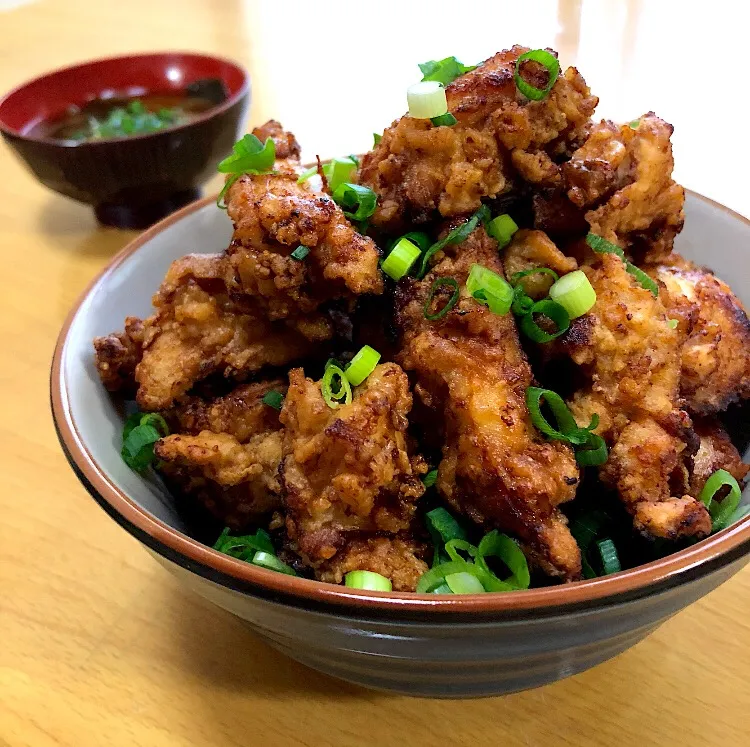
x=398 y=558
x=716 y=351
x=348 y=470
x=419 y=170
x=631 y=355
x=273 y=215
x=287 y=148
x=716 y=451
x=117 y=355
x=623 y=175
x=472 y=373
x=199 y=329
x=530 y=249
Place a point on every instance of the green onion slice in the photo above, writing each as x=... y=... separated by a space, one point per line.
x=443 y=528
x=245 y=546
x=444 y=120
x=435 y=577
x=357 y=202
x=401 y=259
x=522 y=304
x=609 y=557
x=249 y=156
x=273 y=399
x=376 y=139
x=456 y=236
x=553 y=311
x=367 y=580
x=574 y=293
x=430 y=478
x=547 y=60
x=426 y=99
x=449 y=304
x=634 y=124
x=340 y=171
x=272 y=563
x=442 y=589
x=464 y=583
x=300 y=252
x=139 y=434
x=721 y=511
x=506 y=549
x=517 y=276
x=444 y=71
x=602 y=246
x=420 y=238
x=642 y=279
x=673 y=323
x=593 y=453
x=489 y=289
x=362 y=365
x=335 y=387
x=502 y=229
x=567 y=428
x=220 y=203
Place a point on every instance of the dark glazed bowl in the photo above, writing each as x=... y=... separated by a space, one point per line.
x=448 y=646
x=131 y=182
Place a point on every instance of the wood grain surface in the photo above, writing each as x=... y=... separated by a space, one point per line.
x=99 y=645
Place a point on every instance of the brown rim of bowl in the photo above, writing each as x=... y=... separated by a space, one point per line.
x=706 y=556
x=202 y=117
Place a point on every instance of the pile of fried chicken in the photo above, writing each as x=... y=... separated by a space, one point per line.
x=342 y=487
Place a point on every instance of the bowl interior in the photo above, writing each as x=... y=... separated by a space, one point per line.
x=50 y=95
x=713 y=236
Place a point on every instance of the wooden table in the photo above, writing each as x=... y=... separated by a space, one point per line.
x=98 y=645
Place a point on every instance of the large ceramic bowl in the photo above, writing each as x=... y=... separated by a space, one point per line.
x=452 y=646
x=131 y=182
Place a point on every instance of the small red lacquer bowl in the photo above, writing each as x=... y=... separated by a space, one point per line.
x=131 y=181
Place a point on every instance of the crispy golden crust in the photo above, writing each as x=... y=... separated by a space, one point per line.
x=398 y=558
x=632 y=358
x=716 y=351
x=273 y=215
x=419 y=170
x=199 y=329
x=716 y=451
x=623 y=175
x=348 y=470
x=530 y=249
x=471 y=370
x=117 y=355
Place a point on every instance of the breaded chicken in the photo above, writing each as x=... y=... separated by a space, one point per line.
x=622 y=175
x=716 y=451
x=421 y=171
x=273 y=215
x=117 y=355
x=348 y=470
x=631 y=356
x=716 y=351
x=531 y=249
x=199 y=329
x=472 y=373
x=401 y=559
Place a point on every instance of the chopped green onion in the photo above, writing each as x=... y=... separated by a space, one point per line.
x=567 y=428
x=435 y=577
x=340 y=171
x=593 y=453
x=464 y=583
x=547 y=60
x=362 y=365
x=272 y=563
x=430 y=478
x=376 y=139
x=367 y=580
x=673 y=323
x=634 y=124
x=516 y=277
x=420 y=238
x=602 y=246
x=609 y=557
x=586 y=528
x=139 y=434
x=343 y=392
x=307 y=173
x=249 y=156
x=354 y=159
x=401 y=259
x=522 y=304
x=300 y=252
x=450 y=303
x=641 y=278
x=723 y=510
x=506 y=549
x=456 y=236
x=502 y=229
x=273 y=399
x=574 y=293
x=442 y=589
x=444 y=71
x=444 y=120
x=245 y=546
x=357 y=202
x=553 y=311
x=426 y=100
x=220 y=203
x=489 y=289
x=442 y=528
